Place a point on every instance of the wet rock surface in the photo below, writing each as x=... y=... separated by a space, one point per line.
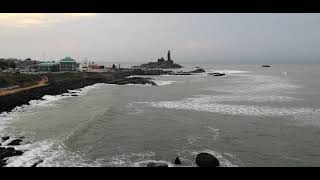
x=37 y=163
x=15 y=142
x=177 y=161
x=207 y=160
x=6 y=152
x=5 y=138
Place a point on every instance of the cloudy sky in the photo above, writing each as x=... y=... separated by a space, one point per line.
x=230 y=38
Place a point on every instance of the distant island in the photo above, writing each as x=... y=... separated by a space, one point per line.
x=161 y=63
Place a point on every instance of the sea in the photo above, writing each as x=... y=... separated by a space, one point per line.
x=252 y=116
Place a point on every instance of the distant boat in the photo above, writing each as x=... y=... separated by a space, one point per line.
x=265 y=66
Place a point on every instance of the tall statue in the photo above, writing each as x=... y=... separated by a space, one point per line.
x=169 y=57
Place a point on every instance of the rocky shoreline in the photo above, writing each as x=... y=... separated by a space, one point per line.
x=59 y=85
x=7 y=150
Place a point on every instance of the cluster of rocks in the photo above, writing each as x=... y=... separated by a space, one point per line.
x=6 y=152
x=202 y=160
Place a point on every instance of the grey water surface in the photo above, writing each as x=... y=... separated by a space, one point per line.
x=253 y=116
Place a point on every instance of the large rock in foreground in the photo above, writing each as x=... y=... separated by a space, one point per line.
x=207 y=160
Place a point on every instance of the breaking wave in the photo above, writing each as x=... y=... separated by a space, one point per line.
x=52 y=155
x=163 y=83
x=203 y=104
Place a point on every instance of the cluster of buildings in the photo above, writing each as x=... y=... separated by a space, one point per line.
x=66 y=64
x=14 y=65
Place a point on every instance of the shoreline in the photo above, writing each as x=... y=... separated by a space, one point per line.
x=61 y=83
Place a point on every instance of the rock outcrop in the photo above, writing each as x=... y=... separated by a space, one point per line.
x=15 y=142
x=177 y=161
x=5 y=138
x=7 y=152
x=207 y=160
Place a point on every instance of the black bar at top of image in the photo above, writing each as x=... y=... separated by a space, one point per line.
x=160 y=6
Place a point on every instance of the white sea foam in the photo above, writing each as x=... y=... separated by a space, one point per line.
x=46 y=101
x=214 y=104
x=227 y=71
x=163 y=83
x=130 y=159
x=248 y=98
x=51 y=155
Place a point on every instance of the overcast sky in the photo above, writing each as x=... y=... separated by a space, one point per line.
x=235 y=38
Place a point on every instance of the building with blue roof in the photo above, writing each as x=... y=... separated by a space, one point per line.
x=68 y=64
x=48 y=66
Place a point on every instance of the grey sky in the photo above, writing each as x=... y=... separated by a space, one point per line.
x=237 y=38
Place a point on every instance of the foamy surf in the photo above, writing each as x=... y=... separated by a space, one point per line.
x=227 y=71
x=164 y=83
x=51 y=154
x=214 y=104
x=247 y=110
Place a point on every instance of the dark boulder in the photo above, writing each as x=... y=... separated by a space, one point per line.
x=265 y=66
x=15 y=142
x=177 y=161
x=37 y=163
x=5 y=138
x=157 y=164
x=207 y=160
x=2 y=163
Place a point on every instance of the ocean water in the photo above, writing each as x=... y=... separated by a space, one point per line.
x=253 y=116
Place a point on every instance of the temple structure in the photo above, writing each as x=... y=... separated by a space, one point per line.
x=162 y=63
